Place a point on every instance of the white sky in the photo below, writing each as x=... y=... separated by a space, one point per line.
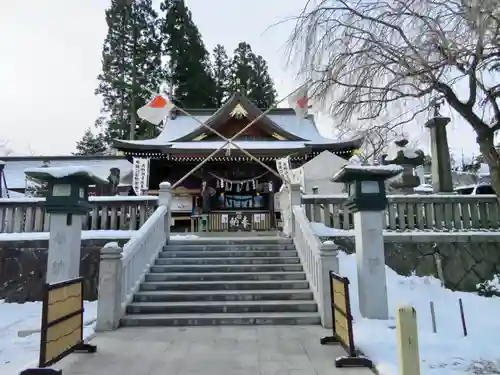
x=50 y=56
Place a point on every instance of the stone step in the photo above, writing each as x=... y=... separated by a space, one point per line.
x=205 y=268
x=220 y=261
x=227 y=253
x=223 y=295
x=224 y=285
x=223 y=276
x=295 y=318
x=237 y=247
x=231 y=240
x=228 y=307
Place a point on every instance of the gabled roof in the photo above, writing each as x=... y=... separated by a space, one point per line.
x=180 y=130
x=223 y=114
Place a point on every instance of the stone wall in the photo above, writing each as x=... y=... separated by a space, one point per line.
x=23 y=265
x=464 y=263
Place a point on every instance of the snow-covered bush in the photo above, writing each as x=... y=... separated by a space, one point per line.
x=489 y=288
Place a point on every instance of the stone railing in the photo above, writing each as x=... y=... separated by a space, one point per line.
x=110 y=212
x=413 y=212
x=121 y=271
x=316 y=257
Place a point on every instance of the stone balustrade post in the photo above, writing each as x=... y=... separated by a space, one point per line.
x=328 y=262
x=295 y=200
x=316 y=207
x=109 y=309
x=165 y=199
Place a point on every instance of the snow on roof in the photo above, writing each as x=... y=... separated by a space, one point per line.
x=374 y=169
x=61 y=172
x=182 y=125
x=16 y=178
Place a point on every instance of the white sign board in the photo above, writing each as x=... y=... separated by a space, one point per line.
x=140 y=175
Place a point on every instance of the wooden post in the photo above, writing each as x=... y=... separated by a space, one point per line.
x=407 y=341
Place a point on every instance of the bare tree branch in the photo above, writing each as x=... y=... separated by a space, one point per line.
x=369 y=59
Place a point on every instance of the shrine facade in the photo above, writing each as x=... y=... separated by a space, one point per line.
x=230 y=191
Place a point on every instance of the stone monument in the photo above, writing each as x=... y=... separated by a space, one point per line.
x=407 y=158
x=67 y=202
x=367 y=200
x=441 y=165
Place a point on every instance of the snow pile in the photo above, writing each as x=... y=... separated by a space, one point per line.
x=446 y=352
x=408 y=153
x=18 y=320
x=490 y=287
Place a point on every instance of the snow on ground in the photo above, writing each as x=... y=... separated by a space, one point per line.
x=17 y=352
x=446 y=352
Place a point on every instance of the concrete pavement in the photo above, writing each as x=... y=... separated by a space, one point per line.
x=231 y=350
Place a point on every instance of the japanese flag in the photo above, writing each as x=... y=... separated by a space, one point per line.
x=156 y=110
x=299 y=102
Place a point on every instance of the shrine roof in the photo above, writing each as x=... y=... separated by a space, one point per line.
x=181 y=130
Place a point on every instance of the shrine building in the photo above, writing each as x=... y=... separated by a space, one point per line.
x=231 y=187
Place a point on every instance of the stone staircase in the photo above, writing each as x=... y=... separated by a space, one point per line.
x=233 y=281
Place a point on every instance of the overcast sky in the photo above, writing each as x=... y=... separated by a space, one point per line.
x=50 y=55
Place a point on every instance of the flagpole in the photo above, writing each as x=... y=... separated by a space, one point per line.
x=230 y=141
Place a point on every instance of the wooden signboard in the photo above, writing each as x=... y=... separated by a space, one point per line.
x=342 y=324
x=239 y=222
x=62 y=325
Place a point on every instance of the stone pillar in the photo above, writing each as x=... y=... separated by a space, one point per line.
x=328 y=262
x=65 y=241
x=370 y=258
x=109 y=302
x=441 y=165
x=165 y=199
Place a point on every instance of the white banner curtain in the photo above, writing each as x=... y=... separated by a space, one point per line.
x=140 y=175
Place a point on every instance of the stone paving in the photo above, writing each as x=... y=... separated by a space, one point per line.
x=221 y=350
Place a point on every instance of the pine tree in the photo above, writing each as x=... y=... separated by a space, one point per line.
x=250 y=76
x=131 y=65
x=189 y=64
x=221 y=74
x=91 y=144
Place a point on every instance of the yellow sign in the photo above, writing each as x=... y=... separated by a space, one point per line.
x=62 y=322
x=342 y=324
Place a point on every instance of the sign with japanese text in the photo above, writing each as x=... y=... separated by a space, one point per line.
x=240 y=221
x=140 y=176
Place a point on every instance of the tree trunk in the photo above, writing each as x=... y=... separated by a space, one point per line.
x=492 y=158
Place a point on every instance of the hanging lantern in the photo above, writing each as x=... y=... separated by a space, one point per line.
x=254 y=184
x=270 y=186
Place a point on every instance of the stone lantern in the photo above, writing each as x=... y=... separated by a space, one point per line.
x=409 y=159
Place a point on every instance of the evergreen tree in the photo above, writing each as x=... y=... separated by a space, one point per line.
x=221 y=74
x=91 y=144
x=189 y=64
x=250 y=76
x=263 y=92
x=131 y=65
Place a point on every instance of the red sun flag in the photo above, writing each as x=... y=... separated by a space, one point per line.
x=298 y=102
x=156 y=110
x=158 y=102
